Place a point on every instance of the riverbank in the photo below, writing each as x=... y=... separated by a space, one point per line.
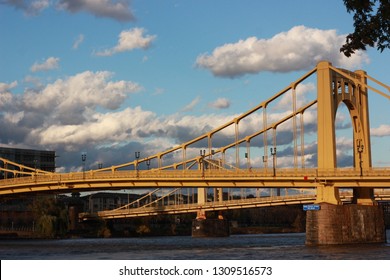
x=16 y=234
x=146 y=232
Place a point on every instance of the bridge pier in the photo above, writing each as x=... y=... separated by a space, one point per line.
x=210 y=228
x=202 y=227
x=345 y=224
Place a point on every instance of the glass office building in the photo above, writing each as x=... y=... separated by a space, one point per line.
x=44 y=160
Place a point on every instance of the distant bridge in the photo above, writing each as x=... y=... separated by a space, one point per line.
x=166 y=205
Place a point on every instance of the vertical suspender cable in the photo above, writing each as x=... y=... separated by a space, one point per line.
x=294 y=105
x=265 y=140
x=274 y=138
x=210 y=141
x=302 y=141
x=248 y=153
x=237 y=147
x=184 y=157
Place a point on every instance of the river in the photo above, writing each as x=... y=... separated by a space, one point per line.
x=240 y=247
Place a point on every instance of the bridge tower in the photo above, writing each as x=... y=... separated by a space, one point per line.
x=332 y=90
x=336 y=223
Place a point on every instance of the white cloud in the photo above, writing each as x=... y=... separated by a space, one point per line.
x=344 y=144
x=33 y=7
x=129 y=40
x=191 y=106
x=39 y=5
x=49 y=64
x=97 y=129
x=220 y=103
x=5 y=99
x=300 y=48
x=301 y=90
x=14 y=118
x=71 y=113
x=6 y=87
x=78 y=41
x=68 y=100
x=381 y=131
x=6 y=96
x=115 y=9
x=35 y=81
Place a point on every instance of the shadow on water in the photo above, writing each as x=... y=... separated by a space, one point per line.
x=258 y=246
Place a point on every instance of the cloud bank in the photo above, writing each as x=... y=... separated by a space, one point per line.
x=86 y=111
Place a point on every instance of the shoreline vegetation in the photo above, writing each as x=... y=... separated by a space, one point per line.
x=281 y=219
x=50 y=218
x=5 y=234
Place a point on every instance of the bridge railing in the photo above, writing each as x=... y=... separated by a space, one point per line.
x=295 y=173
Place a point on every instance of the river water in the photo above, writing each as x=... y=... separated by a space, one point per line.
x=236 y=247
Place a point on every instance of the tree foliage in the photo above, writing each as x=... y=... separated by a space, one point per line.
x=372 y=25
x=51 y=217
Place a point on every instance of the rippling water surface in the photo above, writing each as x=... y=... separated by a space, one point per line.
x=260 y=246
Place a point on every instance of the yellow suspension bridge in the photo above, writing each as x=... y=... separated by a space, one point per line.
x=253 y=132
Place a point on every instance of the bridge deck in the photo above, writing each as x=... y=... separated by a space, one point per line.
x=244 y=178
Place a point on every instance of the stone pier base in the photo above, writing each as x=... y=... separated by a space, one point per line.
x=345 y=224
x=73 y=214
x=210 y=228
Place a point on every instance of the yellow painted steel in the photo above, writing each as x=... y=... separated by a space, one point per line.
x=254 y=178
x=333 y=87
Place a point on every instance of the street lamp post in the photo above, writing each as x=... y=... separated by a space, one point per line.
x=35 y=167
x=148 y=163
x=247 y=161
x=137 y=155
x=265 y=162
x=83 y=159
x=360 y=148
x=273 y=153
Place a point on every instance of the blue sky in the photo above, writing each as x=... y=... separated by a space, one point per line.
x=114 y=77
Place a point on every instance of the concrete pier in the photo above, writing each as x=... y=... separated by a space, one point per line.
x=210 y=228
x=345 y=224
